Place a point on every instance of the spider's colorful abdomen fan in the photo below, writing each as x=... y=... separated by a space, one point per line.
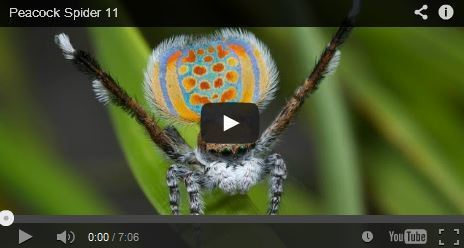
x=184 y=73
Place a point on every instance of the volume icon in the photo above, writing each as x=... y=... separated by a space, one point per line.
x=66 y=237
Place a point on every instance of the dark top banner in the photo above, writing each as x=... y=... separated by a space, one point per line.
x=155 y=13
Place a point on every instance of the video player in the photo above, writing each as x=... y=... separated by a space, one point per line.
x=250 y=123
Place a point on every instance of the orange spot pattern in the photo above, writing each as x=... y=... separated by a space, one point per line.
x=189 y=83
x=211 y=68
x=232 y=61
x=229 y=94
x=191 y=57
x=218 y=83
x=204 y=85
x=218 y=67
x=196 y=99
x=183 y=69
x=232 y=76
x=221 y=52
x=199 y=70
x=208 y=58
x=246 y=75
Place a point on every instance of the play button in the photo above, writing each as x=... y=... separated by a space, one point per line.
x=229 y=123
x=23 y=236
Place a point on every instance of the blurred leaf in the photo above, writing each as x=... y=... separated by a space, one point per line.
x=428 y=83
x=124 y=53
x=338 y=166
x=393 y=119
x=295 y=200
x=39 y=178
x=397 y=188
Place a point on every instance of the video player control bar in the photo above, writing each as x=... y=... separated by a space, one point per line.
x=184 y=231
x=237 y=234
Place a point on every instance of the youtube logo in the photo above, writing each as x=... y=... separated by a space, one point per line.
x=229 y=123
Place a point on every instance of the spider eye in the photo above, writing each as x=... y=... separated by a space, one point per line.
x=241 y=149
x=226 y=152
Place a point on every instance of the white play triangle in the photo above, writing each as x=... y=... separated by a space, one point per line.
x=229 y=123
x=23 y=236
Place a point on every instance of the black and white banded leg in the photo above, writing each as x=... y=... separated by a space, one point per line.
x=191 y=180
x=278 y=173
x=174 y=173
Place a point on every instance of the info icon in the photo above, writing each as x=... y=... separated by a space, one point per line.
x=229 y=123
x=446 y=12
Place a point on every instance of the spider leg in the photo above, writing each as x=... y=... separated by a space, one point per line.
x=185 y=154
x=192 y=183
x=108 y=90
x=327 y=63
x=174 y=172
x=276 y=166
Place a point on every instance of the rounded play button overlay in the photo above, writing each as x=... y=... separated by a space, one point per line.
x=229 y=123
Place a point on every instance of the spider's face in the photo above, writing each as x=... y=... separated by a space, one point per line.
x=226 y=151
x=185 y=72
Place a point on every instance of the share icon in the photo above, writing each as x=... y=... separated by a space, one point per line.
x=419 y=12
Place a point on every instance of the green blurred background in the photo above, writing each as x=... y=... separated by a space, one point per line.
x=382 y=135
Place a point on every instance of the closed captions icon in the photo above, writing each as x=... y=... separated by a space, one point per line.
x=446 y=12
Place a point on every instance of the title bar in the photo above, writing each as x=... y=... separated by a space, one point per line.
x=276 y=13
